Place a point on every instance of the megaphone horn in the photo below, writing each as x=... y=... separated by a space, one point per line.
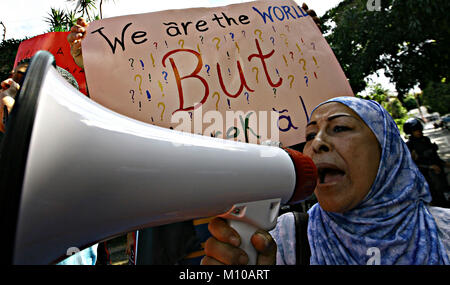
x=74 y=172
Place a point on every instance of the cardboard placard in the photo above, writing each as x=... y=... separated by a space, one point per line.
x=171 y=68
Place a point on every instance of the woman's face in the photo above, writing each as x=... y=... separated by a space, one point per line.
x=346 y=153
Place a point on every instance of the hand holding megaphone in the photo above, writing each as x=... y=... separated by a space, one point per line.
x=246 y=223
x=224 y=247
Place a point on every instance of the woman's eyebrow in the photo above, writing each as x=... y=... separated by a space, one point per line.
x=330 y=118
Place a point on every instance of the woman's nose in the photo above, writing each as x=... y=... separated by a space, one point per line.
x=320 y=143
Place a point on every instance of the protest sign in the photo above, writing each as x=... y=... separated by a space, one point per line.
x=56 y=43
x=175 y=67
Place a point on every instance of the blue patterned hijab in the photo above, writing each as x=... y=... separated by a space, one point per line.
x=391 y=225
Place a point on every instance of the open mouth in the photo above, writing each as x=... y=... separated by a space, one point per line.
x=329 y=174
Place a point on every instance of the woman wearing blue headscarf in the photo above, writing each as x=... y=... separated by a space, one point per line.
x=373 y=201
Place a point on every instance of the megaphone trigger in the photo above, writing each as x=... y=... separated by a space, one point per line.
x=247 y=218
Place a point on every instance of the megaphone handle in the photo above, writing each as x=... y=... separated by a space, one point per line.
x=247 y=218
x=246 y=232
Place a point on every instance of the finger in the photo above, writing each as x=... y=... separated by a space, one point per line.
x=75 y=50
x=210 y=261
x=305 y=7
x=82 y=22
x=225 y=253
x=77 y=29
x=79 y=32
x=266 y=247
x=312 y=13
x=73 y=37
x=220 y=229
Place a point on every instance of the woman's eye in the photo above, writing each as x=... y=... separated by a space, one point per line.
x=310 y=136
x=338 y=129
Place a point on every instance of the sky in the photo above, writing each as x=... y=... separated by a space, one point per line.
x=26 y=18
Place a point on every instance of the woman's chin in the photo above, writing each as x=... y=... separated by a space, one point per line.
x=331 y=198
x=330 y=207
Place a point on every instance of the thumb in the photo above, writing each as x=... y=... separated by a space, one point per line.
x=265 y=246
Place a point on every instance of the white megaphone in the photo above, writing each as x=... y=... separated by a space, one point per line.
x=74 y=173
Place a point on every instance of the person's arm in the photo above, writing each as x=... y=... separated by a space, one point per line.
x=223 y=247
x=75 y=37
